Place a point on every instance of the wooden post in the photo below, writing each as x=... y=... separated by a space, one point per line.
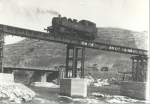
x=67 y=61
x=82 y=62
x=73 y=63
x=1 y=51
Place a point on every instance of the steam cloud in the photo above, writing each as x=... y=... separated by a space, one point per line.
x=40 y=11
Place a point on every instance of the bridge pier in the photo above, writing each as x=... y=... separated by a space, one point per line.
x=137 y=87
x=74 y=84
x=139 y=68
x=44 y=77
x=75 y=56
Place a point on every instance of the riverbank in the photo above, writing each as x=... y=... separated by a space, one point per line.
x=15 y=93
x=51 y=96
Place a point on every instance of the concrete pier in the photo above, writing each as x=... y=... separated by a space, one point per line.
x=43 y=77
x=73 y=87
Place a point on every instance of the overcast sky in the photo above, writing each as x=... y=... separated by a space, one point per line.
x=37 y=14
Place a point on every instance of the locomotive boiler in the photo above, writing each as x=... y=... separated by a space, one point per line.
x=68 y=27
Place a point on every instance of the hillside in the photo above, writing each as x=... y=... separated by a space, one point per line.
x=37 y=53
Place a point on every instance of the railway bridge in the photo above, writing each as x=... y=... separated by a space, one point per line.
x=75 y=50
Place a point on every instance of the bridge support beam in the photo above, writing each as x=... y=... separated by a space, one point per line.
x=1 y=51
x=139 y=68
x=75 y=56
x=137 y=87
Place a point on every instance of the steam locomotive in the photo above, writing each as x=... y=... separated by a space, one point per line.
x=83 y=29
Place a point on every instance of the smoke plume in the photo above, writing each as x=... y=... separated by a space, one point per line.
x=40 y=11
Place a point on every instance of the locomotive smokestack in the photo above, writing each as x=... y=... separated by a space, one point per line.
x=59 y=15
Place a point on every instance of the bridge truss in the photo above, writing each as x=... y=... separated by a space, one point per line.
x=55 y=37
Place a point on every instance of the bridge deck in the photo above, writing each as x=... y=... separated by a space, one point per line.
x=58 y=38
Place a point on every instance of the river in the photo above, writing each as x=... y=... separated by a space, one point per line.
x=51 y=96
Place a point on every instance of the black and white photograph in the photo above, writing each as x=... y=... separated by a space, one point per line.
x=74 y=52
